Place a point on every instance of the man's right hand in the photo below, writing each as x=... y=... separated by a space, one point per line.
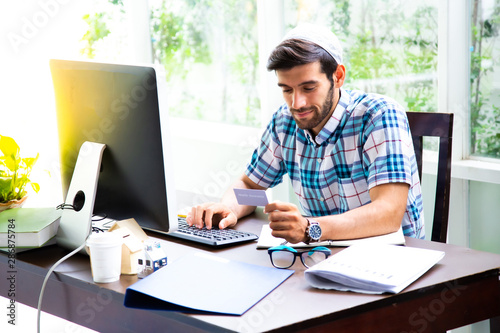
x=211 y=214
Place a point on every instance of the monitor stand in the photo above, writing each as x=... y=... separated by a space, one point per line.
x=76 y=219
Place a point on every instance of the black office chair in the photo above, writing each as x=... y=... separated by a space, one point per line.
x=435 y=125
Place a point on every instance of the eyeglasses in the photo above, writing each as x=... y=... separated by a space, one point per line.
x=283 y=256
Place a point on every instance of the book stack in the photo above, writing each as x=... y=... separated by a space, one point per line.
x=26 y=228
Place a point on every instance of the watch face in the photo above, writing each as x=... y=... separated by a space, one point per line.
x=315 y=231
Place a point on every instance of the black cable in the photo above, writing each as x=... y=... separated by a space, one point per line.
x=65 y=206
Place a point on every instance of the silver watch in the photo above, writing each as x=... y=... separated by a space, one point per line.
x=313 y=231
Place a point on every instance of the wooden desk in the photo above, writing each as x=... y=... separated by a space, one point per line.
x=463 y=288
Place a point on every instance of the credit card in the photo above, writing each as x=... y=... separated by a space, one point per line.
x=251 y=197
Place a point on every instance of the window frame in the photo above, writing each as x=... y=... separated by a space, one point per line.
x=453 y=89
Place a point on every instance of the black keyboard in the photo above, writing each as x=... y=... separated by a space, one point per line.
x=213 y=237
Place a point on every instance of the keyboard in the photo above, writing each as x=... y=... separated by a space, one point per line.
x=212 y=237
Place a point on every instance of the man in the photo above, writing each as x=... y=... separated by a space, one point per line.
x=349 y=154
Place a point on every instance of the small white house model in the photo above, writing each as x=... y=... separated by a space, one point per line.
x=140 y=254
x=154 y=256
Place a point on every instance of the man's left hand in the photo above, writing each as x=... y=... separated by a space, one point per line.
x=286 y=221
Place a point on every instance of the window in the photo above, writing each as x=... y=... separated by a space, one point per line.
x=214 y=70
x=208 y=48
x=400 y=63
x=210 y=52
x=484 y=82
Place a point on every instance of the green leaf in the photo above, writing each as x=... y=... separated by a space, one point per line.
x=14 y=171
x=35 y=186
x=10 y=150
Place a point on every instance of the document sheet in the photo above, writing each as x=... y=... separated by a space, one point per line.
x=375 y=268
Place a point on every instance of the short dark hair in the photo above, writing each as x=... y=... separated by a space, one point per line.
x=296 y=52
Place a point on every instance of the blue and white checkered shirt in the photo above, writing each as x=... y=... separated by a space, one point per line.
x=365 y=143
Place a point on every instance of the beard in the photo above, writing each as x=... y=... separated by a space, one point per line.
x=318 y=115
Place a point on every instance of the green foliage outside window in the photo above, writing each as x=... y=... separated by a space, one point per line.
x=213 y=45
x=210 y=52
x=178 y=40
x=400 y=62
x=100 y=25
x=97 y=31
x=485 y=104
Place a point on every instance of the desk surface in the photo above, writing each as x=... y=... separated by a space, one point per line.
x=463 y=288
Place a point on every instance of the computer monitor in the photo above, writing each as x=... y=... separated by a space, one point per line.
x=123 y=107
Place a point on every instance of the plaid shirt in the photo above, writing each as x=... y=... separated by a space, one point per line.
x=365 y=143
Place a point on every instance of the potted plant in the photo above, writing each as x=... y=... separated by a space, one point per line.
x=14 y=174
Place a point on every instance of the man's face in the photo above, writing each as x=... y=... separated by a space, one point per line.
x=310 y=96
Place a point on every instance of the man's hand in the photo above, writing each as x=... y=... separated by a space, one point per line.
x=286 y=221
x=211 y=214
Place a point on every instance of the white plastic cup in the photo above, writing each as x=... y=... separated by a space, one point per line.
x=105 y=250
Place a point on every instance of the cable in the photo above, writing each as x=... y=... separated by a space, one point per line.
x=65 y=206
x=99 y=218
x=47 y=278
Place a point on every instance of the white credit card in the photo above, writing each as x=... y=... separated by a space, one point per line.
x=251 y=197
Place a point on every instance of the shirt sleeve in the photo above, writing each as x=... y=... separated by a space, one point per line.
x=266 y=167
x=388 y=147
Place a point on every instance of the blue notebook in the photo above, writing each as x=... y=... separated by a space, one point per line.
x=204 y=283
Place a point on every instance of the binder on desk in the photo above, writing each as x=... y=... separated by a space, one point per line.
x=203 y=283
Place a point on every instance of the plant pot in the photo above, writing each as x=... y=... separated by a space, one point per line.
x=12 y=204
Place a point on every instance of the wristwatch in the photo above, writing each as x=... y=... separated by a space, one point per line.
x=313 y=231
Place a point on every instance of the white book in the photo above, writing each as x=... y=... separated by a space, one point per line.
x=28 y=227
x=267 y=240
x=372 y=268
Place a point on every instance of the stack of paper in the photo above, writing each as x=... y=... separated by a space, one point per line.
x=373 y=269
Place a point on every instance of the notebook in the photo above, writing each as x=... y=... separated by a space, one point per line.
x=267 y=240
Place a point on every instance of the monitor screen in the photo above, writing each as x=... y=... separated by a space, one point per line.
x=123 y=107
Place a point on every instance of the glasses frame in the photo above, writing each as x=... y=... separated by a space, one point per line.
x=296 y=253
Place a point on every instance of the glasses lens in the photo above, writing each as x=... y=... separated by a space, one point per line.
x=311 y=258
x=282 y=259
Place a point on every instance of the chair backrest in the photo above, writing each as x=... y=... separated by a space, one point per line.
x=435 y=125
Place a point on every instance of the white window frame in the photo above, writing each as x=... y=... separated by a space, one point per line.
x=453 y=78
x=454 y=90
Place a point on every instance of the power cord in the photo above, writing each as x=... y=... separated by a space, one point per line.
x=39 y=309
x=47 y=278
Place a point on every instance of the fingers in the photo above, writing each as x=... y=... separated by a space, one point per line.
x=286 y=221
x=280 y=206
x=207 y=220
x=201 y=215
x=291 y=232
x=282 y=211
x=211 y=214
x=195 y=216
x=227 y=222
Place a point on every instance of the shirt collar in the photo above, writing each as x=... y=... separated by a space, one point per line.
x=332 y=124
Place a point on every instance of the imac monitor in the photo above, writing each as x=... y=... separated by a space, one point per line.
x=123 y=107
